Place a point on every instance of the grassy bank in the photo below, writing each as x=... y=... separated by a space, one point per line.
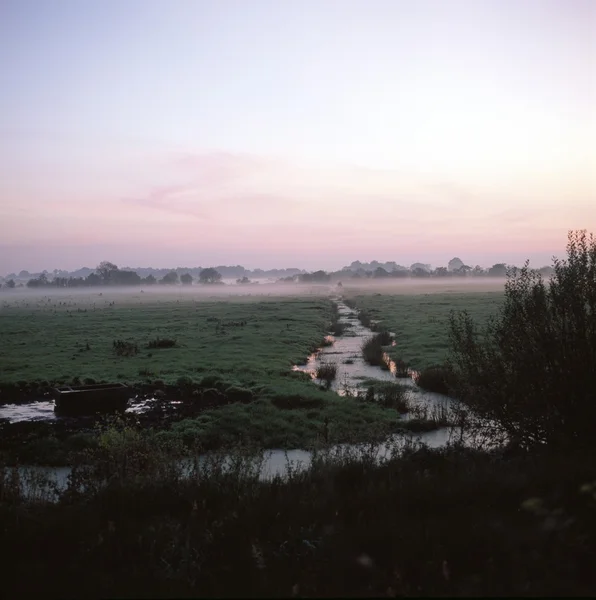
x=420 y=321
x=344 y=528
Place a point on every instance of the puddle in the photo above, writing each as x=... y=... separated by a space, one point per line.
x=43 y=410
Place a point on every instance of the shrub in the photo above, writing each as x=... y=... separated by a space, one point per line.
x=124 y=348
x=372 y=349
x=437 y=379
x=401 y=368
x=162 y=343
x=327 y=372
x=529 y=375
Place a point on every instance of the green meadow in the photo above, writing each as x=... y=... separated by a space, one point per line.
x=421 y=321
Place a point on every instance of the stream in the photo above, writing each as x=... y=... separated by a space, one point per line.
x=352 y=373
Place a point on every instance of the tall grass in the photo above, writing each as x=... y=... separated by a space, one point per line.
x=349 y=525
x=438 y=378
x=372 y=349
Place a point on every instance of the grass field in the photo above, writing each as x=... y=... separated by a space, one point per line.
x=243 y=345
x=245 y=339
x=420 y=321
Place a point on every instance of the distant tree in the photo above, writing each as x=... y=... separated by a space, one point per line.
x=420 y=272
x=209 y=275
x=93 y=279
x=422 y=266
x=149 y=280
x=243 y=281
x=455 y=263
x=10 y=284
x=118 y=277
x=463 y=270
x=477 y=271
x=170 y=278
x=498 y=270
x=105 y=270
x=186 y=279
x=441 y=272
x=380 y=273
x=546 y=271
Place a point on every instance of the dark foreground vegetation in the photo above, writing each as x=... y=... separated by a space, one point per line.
x=450 y=522
x=517 y=519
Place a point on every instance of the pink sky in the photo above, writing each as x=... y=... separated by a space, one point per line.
x=270 y=136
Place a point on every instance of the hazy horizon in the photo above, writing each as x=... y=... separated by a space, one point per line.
x=311 y=134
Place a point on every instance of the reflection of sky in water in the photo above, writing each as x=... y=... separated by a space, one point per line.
x=33 y=411
x=352 y=370
x=43 y=410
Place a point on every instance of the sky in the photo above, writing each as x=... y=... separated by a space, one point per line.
x=294 y=134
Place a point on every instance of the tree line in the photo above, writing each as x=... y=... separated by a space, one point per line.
x=108 y=273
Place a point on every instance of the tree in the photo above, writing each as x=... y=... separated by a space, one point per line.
x=441 y=272
x=455 y=263
x=170 y=278
x=10 y=284
x=93 y=279
x=498 y=270
x=379 y=272
x=119 y=277
x=149 y=280
x=186 y=279
x=104 y=270
x=209 y=275
x=529 y=375
x=243 y=281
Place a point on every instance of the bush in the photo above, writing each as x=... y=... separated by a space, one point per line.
x=372 y=349
x=530 y=374
x=162 y=343
x=239 y=394
x=124 y=348
x=437 y=379
x=327 y=372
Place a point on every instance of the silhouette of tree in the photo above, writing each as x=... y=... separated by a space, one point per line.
x=186 y=279
x=209 y=275
x=455 y=263
x=170 y=278
x=105 y=269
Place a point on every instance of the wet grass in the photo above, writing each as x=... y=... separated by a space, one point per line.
x=43 y=342
x=420 y=322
